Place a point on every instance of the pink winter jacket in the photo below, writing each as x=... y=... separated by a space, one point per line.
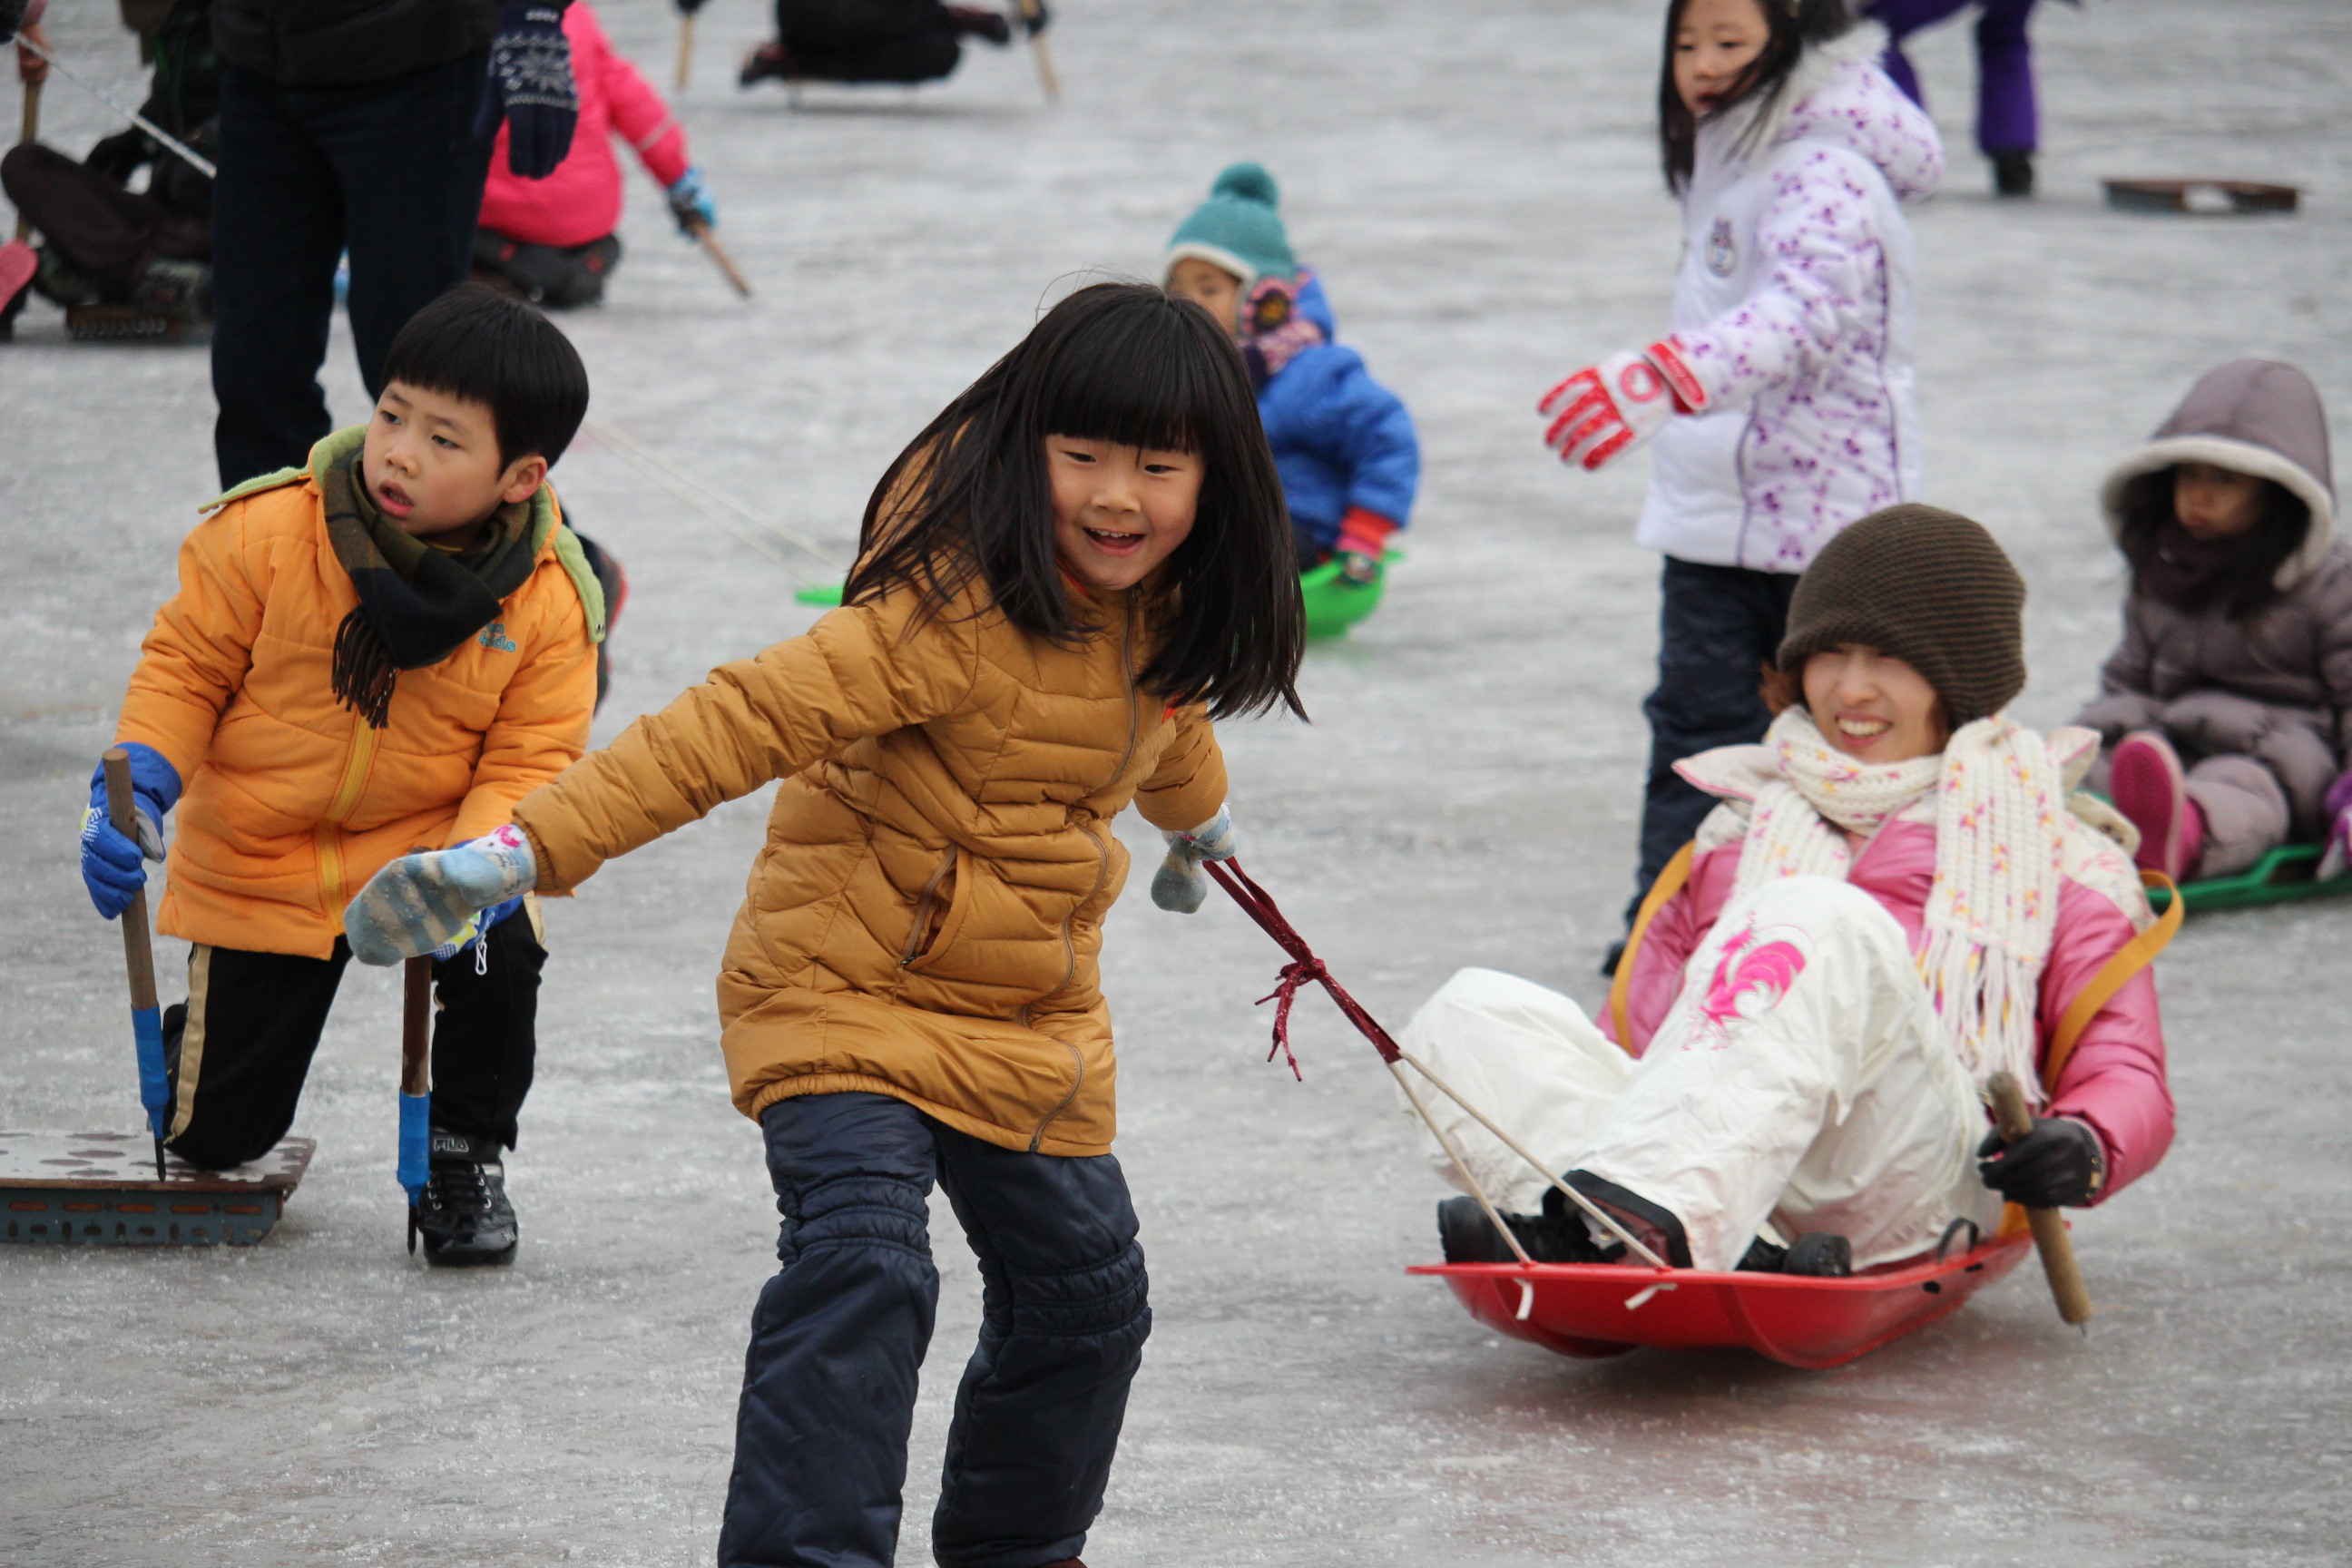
x=581 y=200
x=2115 y=1080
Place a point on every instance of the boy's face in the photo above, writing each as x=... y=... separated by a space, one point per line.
x=432 y=465
x=1212 y=288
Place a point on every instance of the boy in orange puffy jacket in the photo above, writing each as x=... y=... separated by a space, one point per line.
x=383 y=650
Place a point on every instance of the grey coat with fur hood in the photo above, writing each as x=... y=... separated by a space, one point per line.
x=2275 y=686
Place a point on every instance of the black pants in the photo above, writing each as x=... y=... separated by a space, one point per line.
x=869 y=40
x=106 y=234
x=241 y=1046
x=390 y=171
x=1718 y=626
x=840 y=1331
x=556 y=276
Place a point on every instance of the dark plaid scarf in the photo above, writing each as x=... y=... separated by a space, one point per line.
x=417 y=605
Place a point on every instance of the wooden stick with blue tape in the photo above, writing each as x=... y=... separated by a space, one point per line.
x=415 y=1084
x=139 y=957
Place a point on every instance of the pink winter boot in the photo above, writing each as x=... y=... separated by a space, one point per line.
x=2152 y=790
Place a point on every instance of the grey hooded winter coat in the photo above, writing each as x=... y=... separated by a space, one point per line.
x=2275 y=686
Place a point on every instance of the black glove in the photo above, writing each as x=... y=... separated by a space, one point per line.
x=2057 y=1165
x=689 y=7
x=1034 y=20
x=530 y=87
x=120 y=155
x=12 y=17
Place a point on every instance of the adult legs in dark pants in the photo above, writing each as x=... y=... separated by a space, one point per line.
x=390 y=171
x=840 y=1332
x=1718 y=626
x=240 y=1047
x=2008 y=128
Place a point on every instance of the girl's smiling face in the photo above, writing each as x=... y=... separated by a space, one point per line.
x=1873 y=707
x=1714 y=42
x=1119 y=512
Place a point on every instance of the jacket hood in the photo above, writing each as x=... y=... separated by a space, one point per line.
x=2259 y=416
x=1837 y=94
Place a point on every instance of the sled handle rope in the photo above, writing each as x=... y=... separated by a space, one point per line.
x=1305 y=969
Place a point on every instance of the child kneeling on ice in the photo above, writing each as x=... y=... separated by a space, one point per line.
x=1344 y=444
x=2237 y=645
x=386 y=648
x=1891 y=901
x=1063 y=578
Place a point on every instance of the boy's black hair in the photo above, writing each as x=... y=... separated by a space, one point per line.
x=2251 y=580
x=1793 y=25
x=1123 y=363
x=476 y=344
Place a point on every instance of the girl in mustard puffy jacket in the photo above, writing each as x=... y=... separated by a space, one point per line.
x=1076 y=567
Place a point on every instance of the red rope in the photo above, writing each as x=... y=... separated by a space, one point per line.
x=1303 y=969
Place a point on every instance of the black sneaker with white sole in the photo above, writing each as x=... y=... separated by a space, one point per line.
x=463 y=1213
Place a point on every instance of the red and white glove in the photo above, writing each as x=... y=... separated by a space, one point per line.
x=1625 y=399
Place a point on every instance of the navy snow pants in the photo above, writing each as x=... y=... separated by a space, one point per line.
x=840 y=1331
x=1718 y=626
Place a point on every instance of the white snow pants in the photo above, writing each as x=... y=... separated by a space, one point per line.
x=1799 y=1079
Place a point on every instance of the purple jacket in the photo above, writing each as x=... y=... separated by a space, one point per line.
x=2115 y=1080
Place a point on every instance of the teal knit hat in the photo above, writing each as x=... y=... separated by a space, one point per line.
x=1237 y=229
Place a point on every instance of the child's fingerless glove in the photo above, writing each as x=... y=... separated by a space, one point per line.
x=690 y=202
x=112 y=866
x=2059 y=1165
x=422 y=903
x=1178 y=885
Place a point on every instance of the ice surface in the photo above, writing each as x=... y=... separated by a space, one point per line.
x=1476 y=184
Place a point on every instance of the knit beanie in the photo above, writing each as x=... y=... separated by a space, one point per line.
x=1930 y=587
x=1237 y=229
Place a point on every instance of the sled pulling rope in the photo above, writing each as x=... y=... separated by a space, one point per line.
x=710 y=503
x=195 y=160
x=1305 y=969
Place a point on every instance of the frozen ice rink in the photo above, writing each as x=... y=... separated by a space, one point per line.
x=1477 y=183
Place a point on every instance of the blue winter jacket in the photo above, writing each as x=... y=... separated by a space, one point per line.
x=1340 y=439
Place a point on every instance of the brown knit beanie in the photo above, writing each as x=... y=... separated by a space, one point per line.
x=1930 y=587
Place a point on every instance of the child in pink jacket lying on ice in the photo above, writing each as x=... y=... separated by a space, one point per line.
x=1897 y=896
x=552 y=240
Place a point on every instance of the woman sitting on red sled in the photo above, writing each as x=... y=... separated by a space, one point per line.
x=1899 y=897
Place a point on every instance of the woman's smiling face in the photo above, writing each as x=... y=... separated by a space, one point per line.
x=1873 y=707
x=1119 y=512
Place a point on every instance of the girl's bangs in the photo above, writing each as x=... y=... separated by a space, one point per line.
x=1135 y=379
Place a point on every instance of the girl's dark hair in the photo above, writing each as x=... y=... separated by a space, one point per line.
x=1793 y=25
x=1123 y=363
x=2249 y=581
x=481 y=346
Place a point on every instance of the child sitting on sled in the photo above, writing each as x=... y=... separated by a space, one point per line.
x=1897 y=896
x=384 y=649
x=2237 y=647
x=1344 y=444
x=552 y=240
x=1063 y=578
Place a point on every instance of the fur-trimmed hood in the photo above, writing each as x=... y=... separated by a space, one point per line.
x=2259 y=416
x=1837 y=94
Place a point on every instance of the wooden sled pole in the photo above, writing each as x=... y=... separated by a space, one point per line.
x=2015 y=1119
x=685 y=49
x=709 y=242
x=30 y=133
x=139 y=957
x=1041 y=51
x=416 y=1083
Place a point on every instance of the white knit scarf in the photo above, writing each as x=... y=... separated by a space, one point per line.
x=2001 y=822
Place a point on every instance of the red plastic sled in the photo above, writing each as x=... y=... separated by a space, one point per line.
x=1605 y=1309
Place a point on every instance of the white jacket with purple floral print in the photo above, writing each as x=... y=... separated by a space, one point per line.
x=1793 y=302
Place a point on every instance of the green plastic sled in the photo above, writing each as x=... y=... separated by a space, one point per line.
x=1333 y=604
x=2289 y=871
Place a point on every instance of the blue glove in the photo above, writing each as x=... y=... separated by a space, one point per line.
x=476 y=932
x=530 y=87
x=422 y=903
x=112 y=865
x=1178 y=885
x=690 y=199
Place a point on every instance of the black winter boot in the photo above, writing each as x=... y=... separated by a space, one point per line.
x=2012 y=173
x=463 y=1213
x=1467 y=1236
